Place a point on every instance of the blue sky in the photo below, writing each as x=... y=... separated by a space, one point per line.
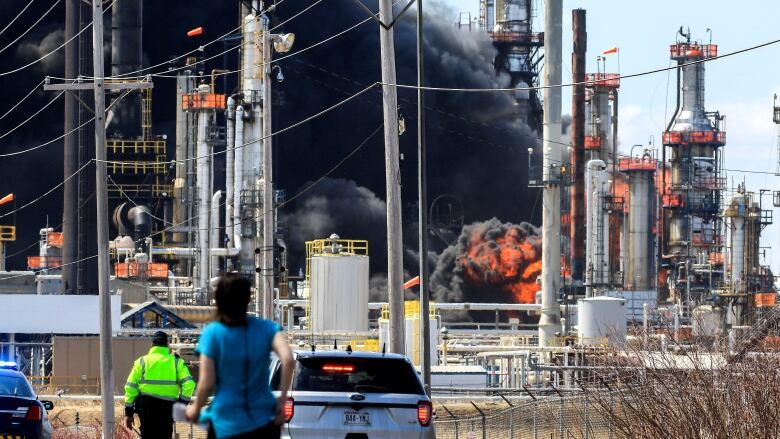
x=741 y=87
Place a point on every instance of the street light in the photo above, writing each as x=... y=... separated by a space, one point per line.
x=282 y=43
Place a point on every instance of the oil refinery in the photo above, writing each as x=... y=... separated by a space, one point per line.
x=563 y=246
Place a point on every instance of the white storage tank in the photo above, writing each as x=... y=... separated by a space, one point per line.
x=707 y=321
x=601 y=321
x=338 y=283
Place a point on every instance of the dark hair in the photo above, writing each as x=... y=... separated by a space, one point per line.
x=232 y=295
x=160 y=338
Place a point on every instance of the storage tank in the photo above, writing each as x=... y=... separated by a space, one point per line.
x=601 y=321
x=337 y=273
x=707 y=321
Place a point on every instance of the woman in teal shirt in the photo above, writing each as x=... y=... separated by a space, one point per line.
x=234 y=363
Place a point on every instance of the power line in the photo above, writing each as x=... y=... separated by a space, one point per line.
x=41 y=58
x=59 y=185
x=261 y=215
x=591 y=82
x=56 y=2
x=19 y=102
x=40 y=110
x=289 y=55
x=129 y=75
x=17 y=17
x=275 y=133
x=49 y=142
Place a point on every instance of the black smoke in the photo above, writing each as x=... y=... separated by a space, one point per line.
x=476 y=144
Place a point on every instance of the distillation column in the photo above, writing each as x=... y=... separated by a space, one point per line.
x=597 y=228
x=640 y=269
x=692 y=202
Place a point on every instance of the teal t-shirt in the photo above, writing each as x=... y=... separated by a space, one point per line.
x=242 y=354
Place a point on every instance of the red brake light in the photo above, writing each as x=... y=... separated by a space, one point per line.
x=33 y=413
x=424 y=413
x=338 y=368
x=289 y=409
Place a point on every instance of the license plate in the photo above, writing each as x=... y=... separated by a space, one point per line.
x=357 y=418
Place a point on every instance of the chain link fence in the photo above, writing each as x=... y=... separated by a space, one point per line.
x=548 y=417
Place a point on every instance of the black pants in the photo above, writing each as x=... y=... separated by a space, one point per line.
x=156 y=417
x=268 y=431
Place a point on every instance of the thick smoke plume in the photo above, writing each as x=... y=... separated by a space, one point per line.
x=476 y=143
x=491 y=261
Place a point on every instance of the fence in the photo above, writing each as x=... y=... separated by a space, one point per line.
x=551 y=417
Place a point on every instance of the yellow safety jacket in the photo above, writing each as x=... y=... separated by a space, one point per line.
x=160 y=375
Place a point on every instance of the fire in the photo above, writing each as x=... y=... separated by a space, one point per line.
x=507 y=257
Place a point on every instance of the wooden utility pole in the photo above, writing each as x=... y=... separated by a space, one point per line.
x=101 y=195
x=392 y=180
x=99 y=87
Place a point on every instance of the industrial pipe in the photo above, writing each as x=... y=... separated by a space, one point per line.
x=189 y=252
x=203 y=183
x=214 y=230
x=230 y=115
x=238 y=172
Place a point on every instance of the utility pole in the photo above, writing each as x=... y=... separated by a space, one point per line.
x=550 y=321
x=269 y=210
x=101 y=195
x=99 y=87
x=392 y=180
x=577 y=201
x=422 y=196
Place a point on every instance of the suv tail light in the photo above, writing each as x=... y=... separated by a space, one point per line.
x=289 y=409
x=424 y=412
x=33 y=413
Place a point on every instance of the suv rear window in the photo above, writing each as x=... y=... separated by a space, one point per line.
x=363 y=375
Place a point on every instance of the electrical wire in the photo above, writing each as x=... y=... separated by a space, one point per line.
x=19 y=102
x=56 y=2
x=260 y=215
x=43 y=57
x=275 y=133
x=129 y=75
x=40 y=197
x=591 y=82
x=167 y=73
x=275 y=60
x=39 y=111
x=49 y=142
x=17 y=17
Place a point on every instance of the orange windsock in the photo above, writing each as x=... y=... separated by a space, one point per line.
x=413 y=282
x=6 y=199
x=610 y=50
x=195 y=32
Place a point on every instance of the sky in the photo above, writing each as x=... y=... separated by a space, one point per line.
x=741 y=87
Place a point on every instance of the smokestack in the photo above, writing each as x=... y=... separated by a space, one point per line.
x=70 y=154
x=550 y=321
x=577 y=199
x=126 y=57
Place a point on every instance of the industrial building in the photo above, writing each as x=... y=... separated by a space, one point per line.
x=655 y=243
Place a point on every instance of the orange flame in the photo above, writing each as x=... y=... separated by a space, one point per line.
x=511 y=261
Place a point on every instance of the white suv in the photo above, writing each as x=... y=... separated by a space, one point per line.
x=355 y=395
